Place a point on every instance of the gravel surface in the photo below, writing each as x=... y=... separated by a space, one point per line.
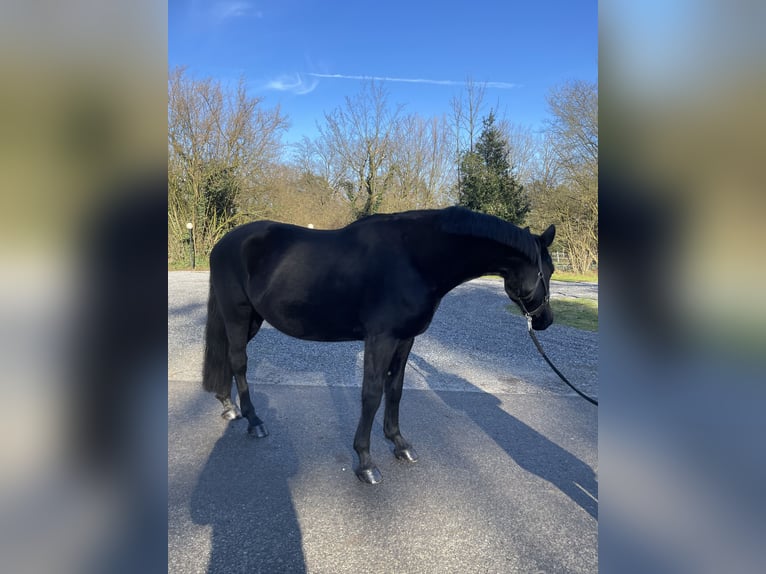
x=507 y=476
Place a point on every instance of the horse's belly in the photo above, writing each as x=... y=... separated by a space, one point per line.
x=314 y=322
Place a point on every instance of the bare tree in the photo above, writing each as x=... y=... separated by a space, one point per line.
x=302 y=197
x=574 y=129
x=521 y=149
x=356 y=138
x=467 y=109
x=420 y=163
x=565 y=185
x=474 y=99
x=219 y=143
x=440 y=171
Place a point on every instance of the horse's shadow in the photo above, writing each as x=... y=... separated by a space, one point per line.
x=528 y=448
x=243 y=494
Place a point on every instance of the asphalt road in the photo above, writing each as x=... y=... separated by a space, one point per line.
x=506 y=481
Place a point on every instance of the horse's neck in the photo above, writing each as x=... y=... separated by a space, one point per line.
x=461 y=258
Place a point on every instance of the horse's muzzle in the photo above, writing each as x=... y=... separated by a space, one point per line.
x=543 y=320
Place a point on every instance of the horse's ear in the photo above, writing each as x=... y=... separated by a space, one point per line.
x=548 y=235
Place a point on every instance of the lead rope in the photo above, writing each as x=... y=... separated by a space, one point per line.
x=547 y=360
x=530 y=314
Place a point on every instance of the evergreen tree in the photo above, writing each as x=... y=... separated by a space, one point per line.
x=487 y=182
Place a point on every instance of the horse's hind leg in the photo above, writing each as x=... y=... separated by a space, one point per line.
x=394 y=383
x=239 y=334
x=230 y=410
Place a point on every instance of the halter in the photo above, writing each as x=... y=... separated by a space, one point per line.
x=531 y=314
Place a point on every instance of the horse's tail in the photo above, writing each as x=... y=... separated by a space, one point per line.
x=216 y=370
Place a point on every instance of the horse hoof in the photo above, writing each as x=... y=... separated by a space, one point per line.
x=369 y=475
x=258 y=431
x=231 y=414
x=407 y=454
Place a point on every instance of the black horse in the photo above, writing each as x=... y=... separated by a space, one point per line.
x=378 y=280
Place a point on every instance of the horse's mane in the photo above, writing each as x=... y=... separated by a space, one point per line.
x=463 y=221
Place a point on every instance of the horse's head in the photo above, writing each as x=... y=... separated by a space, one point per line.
x=528 y=283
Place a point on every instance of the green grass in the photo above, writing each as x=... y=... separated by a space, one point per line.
x=566 y=276
x=199 y=265
x=572 y=312
x=570 y=277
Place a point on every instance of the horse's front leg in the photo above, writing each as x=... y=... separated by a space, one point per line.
x=394 y=383
x=378 y=353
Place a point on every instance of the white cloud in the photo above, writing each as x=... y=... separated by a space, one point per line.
x=293 y=83
x=499 y=85
x=232 y=9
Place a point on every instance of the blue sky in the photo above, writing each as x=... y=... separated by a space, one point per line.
x=307 y=55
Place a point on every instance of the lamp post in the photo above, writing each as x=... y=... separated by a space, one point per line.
x=190 y=226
